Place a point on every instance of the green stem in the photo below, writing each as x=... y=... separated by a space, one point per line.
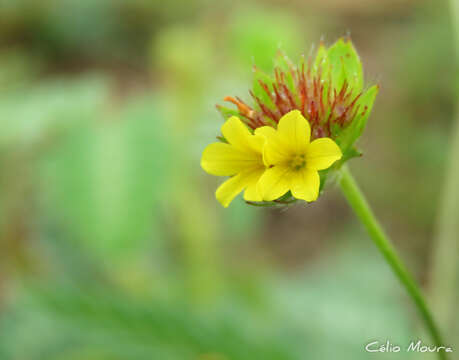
x=445 y=267
x=443 y=277
x=363 y=211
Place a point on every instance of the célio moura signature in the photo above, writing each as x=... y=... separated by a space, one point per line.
x=413 y=346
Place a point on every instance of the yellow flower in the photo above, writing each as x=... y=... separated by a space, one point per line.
x=293 y=160
x=241 y=158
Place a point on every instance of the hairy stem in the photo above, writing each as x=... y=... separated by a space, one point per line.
x=359 y=204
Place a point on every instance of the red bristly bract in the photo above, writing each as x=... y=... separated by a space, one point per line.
x=327 y=109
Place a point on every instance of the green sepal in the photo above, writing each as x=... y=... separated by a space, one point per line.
x=285 y=64
x=222 y=139
x=284 y=200
x=326 y=174
x=321 y=62
x=351 y=153
x=345 y=65
x=258 y=91
x=323 y=179
x=349 y=135
x=228 y=112
x=321 y=65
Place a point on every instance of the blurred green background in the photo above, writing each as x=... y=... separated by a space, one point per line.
x=112 y=245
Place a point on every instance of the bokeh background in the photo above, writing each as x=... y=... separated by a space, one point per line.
x=112 y=245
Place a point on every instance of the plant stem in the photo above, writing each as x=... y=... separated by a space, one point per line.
x=445 y=267
x=359 y=204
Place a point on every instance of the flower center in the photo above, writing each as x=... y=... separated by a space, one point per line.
x=298 y=162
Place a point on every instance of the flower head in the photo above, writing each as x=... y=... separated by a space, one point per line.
x=303 y=120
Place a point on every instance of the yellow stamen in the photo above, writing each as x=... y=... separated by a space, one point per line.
x=298 y=162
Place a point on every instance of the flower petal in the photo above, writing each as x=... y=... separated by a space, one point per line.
x=276 y=151
x=274 y=183
x=295 y=130
x=233 y=186
x=227 y=191
x=305 y=185
x=251 y=192
x=322 y=153
x=238 y=135
x=224 y=160
x=257 y=143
